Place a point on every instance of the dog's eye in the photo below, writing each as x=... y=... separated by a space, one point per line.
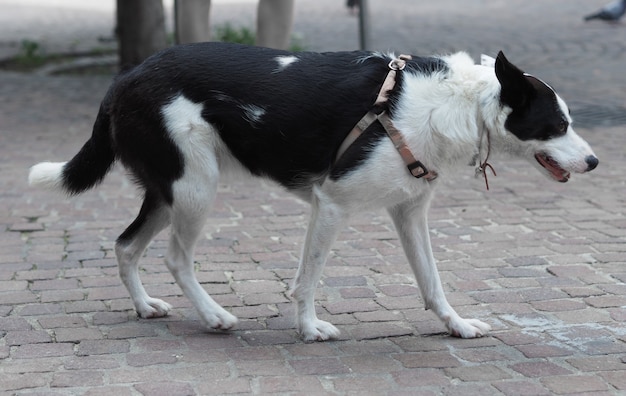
x=563 y=125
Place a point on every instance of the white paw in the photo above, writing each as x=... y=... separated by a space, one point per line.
x=318 y=330
x=153 y=308
x=468 y=328
x=220 y=320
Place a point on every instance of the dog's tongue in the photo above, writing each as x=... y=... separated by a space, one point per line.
x=551 y=165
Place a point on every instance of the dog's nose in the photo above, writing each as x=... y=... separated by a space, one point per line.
x=592 y=162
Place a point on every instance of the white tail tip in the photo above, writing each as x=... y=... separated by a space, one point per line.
x=46 y=174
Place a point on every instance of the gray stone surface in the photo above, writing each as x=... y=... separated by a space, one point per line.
x=543 y=263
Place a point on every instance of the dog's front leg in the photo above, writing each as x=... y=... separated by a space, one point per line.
x=412 y=226
x=326 y=219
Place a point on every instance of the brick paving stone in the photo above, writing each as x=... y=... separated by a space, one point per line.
x=84 y=306
x=26 y=337
x=356 y=292
x=91 y=363
x=597 y=363
x=13 y=285
x=14 y=323
x=62 y=295
x=482 y=355
x=615 y=378
x=276 y=367
x=80 y=378
x=372 y=330
x=521 y=388
x=420 y=377
x=371 y=364
x=428 y=359
x=583 y=316
x=77 y=334
x=62 y=321
x=319 y=366
x=35 y=351
x=150 y=358
x=102 y=347
x=277 y=385
x=55 y=284
x=544 y=351
x=254 y=353
x=39 y=365
x=372 y=384
x=165 y=389
x=133 y=330
x=110 y=318
x=225 y=387
x=18 y=297
x=150 y=374
x=108 y=390
x=484 y=372
x=16 y=382
x=273 y=337
x=351 y=306
x=41 y=309
x=378 y=316
x=471 y=388
x=536 y=369
x=575 y=384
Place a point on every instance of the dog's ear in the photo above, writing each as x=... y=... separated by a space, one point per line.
x=516 y=89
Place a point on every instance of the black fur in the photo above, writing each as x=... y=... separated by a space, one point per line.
x=536 y=113
x=312 y=103
x=91 y=164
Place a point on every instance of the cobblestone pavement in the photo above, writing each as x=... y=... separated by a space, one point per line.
x=543 y=263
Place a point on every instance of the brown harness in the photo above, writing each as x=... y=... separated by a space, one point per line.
x=415 y=167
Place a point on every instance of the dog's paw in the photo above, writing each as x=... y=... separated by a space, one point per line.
x=318 y=330
x=468 y=328
x=153 y=308
x=220 y=320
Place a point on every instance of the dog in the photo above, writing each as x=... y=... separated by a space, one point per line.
x=194 y=112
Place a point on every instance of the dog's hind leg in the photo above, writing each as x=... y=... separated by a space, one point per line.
x=193 y=197
x=412 y=226
x=153 y=217
x=326 y=219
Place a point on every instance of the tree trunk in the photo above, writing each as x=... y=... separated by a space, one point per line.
x=192 y=21
x=274 y=22
x=140 y=30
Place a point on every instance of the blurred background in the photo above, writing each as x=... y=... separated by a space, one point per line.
x=583 y=60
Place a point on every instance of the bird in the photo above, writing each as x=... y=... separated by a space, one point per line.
x=610 y=12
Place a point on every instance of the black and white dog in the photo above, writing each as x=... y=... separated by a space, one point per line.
x=190 y=113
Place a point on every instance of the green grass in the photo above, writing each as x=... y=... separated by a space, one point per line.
x=229 y=34
x=243 y=35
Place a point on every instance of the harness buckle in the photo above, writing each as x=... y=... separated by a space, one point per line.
x=417 y=169
x=399 y=63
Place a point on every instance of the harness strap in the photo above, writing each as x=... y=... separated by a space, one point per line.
x=368 y=119
x=415 y=167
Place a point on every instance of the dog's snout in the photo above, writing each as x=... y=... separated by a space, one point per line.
x=592 y=161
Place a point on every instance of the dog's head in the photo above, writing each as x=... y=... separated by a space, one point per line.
x=540 y=119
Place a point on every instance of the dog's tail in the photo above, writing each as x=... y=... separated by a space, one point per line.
x=86 y=169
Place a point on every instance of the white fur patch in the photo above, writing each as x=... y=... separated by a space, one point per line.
x=182 y=115
x=46 y=174
x=486 y=60
x=284 y=62
x=252 y=113
x=191 y=133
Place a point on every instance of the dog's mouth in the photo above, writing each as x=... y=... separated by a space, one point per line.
x=559 y=174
